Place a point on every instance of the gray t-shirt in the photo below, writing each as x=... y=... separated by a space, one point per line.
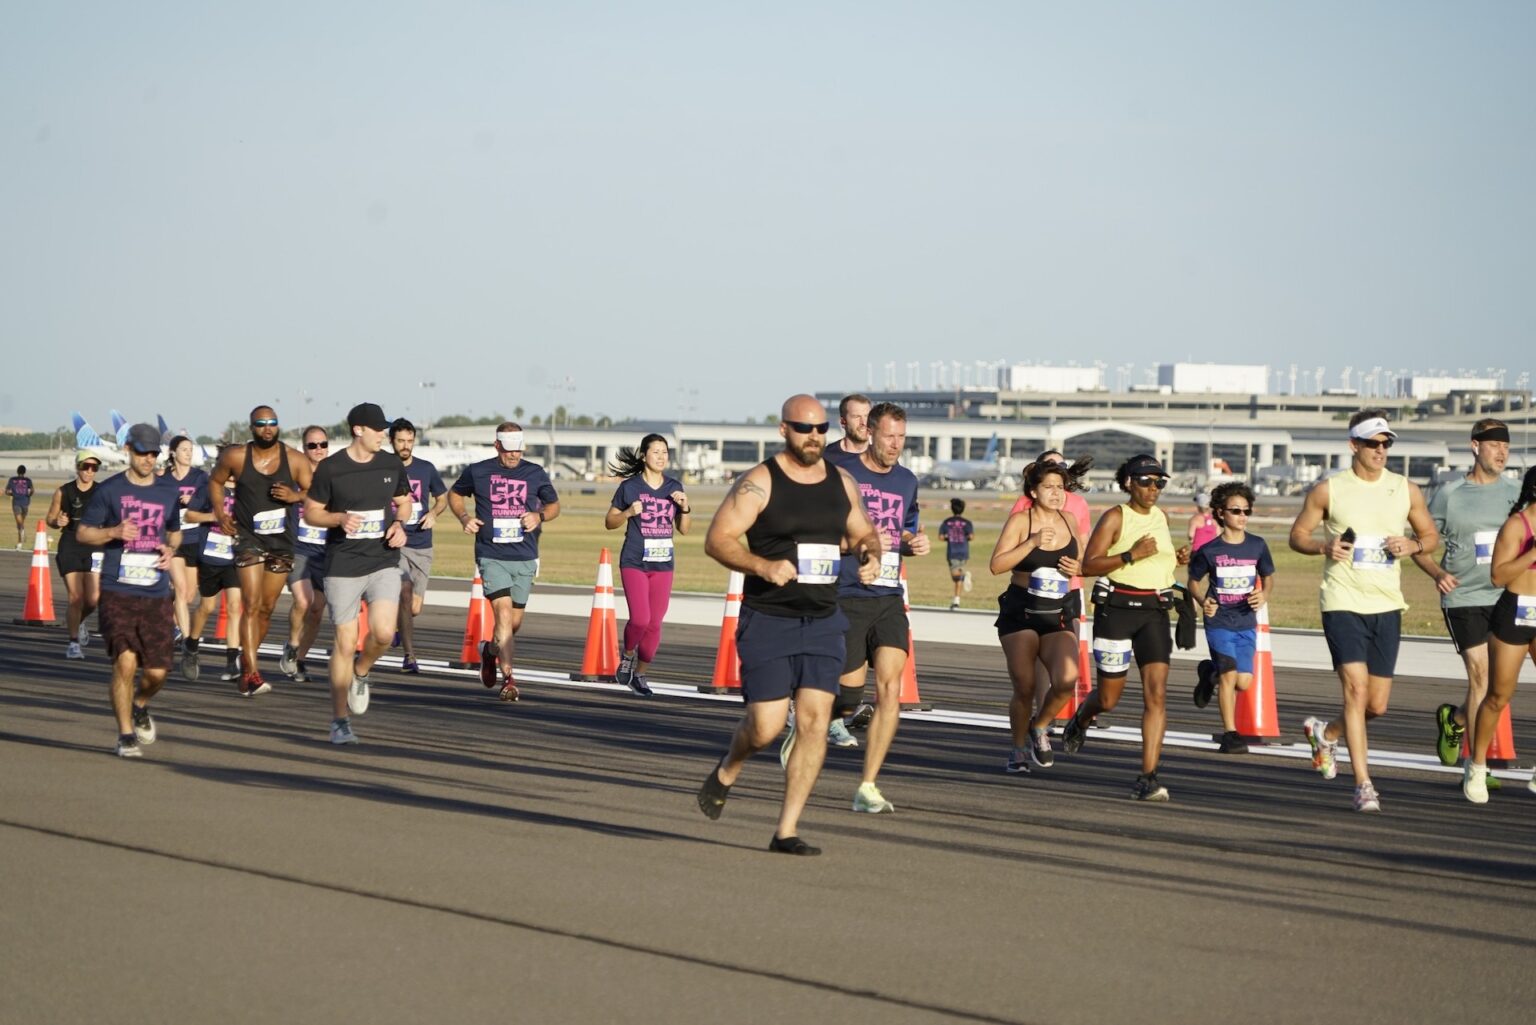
x=1468 y=517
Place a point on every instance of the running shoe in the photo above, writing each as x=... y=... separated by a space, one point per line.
x=300 y=672
x=72 y=650
x=251 y=684
x=83 y=636
x=838 y=735
x=288 y=661
x=509 y=691
x=191 y=669
x=231 y=665
x=1040 y=748
x=640 y=685
x=1018 y=762
x=176 y=636
x=1147 y=788
x=489 y=657
x=1205 y=673
x=341 y=732
x=1232 y=743
x=1073 y=734
x=1474 y=783
x=1493 y=781
x=860 y=717
x=868 y=798
x=357 y=693
x=965 y=582
x=143 y=726
x=1367 y=799
x=625 y=674
x=1324 y=751
x=128 y=747
x=1448 y=734
x=410 y=665
x=713 y=794
x=954 y=604
x=787 y=747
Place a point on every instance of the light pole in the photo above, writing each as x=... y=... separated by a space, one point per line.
x=430 y=387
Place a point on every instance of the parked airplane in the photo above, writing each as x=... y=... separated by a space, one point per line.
x=110 y=454
x=974 y=472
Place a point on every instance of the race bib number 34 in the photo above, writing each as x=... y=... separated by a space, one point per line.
x=816 y=564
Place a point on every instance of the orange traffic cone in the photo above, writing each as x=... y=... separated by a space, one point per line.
x=362 y=625
x=221 y=628
x=600 y=660
x=1255 y=715
x=478 y=626
x=727 y=678
x=1084 y=671
x=1501 y=751
x=39 y=607
x=909 y=696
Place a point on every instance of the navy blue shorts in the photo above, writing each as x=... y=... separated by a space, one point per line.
x=781 y=654
x=1371 y=639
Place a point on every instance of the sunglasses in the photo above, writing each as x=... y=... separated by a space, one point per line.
x=1239 y=511
x=269 y=422
x=90 y=467
x=801 y=427
x=1375 y=442
x=317 y=444
x=1150 y=482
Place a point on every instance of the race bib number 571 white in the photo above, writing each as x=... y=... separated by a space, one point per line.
x=816 y=564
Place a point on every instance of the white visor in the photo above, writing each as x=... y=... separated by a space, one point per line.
x=510 y=441
x=1370 y=428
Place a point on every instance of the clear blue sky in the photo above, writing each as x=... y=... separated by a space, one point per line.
x=697 y=208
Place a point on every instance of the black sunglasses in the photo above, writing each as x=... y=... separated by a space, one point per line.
x=1375 y=442
x=1149 y=481
x=1238 y=511
x=269 y=422
x=801 y=427
x=317 y=444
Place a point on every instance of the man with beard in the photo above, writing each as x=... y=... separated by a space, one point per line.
x=429 y=497
x=268 y=477
x=853 y=414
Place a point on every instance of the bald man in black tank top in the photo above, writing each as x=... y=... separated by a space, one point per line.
x=782 y=524
x=268 y=476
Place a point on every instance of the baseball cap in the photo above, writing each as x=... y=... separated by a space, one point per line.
x=143 y=439
x=368 y=414
x=1145 y=466
x=84 y=455
x=1370 y=428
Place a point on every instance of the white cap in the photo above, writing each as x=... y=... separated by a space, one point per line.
x=1370 y=428
x=511 y=441
x=1203 y=499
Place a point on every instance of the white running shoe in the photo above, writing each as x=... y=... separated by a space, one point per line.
x=72 y=650
x=868 y=798
x=1474 y=782
x=357 y=694
x=838 y=735
x=83 y=636
x=965 y=583
x=143 y=725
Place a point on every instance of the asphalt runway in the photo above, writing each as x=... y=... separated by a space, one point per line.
x=546 y=862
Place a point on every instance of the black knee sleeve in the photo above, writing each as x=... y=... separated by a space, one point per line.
x=848 y=698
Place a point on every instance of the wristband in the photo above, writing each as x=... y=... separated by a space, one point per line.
x=1127 y=558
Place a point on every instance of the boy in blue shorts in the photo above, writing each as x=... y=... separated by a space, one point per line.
x=1239 y=568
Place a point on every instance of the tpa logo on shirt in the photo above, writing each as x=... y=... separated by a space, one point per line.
x=149 y=517
x=886 y=511
x=656 y=516
x=508 y=497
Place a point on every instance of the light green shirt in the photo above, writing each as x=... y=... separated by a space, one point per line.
x=1468 y=517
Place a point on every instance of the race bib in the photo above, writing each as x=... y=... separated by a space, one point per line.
x=1048 y=583
x=415 y=514
x=372 y=527
x=890 y=570
x=816 y=564
x=1235 y=581
x=309 y=534
x=1113 y=657
x=506 y=530
x=272 y=521
x=657 y=549
x=1482 y=543
x=218 y=547
x=1371 y=553
x=96 y=558
x=1525 y=610
x=138 y=569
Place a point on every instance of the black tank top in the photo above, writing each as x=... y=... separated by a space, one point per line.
x=253 y=491
x=1047 y=588
x=72 y=503
x=797 y=517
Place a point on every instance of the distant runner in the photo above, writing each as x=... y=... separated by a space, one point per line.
x=957 y=532
x=75 y=557
x=306 y=580
x=1202 y=525
x=21 y=490
x=192 y=483
x=429 y=499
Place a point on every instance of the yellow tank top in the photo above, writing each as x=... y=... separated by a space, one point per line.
x=1371 y=582
x=1154 y=572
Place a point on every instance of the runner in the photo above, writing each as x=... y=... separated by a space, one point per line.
x=20 y=489
x=1037 y=616
x=75 y=561
x=853 y=414
x=133 y=515
x=957 y=532
x=1132 y=553
x=216 y=575
x=306 y=581
x=1468 y=513
x=268 y=477
x=362 y=497
x=651 y=507
x=782 y=525
x=429 y=498
x=1240 y=571
x=1202 y=525
x=514 y=498
x=1513 y=635
x=1362 y=511
x=878 y=631
x=192 y=481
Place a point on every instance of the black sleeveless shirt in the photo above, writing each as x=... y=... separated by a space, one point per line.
x=803 y=524
x=253 y=491
x=72 y=503
x=1046 y=590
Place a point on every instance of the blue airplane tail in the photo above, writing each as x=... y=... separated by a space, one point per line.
x=165 y=432
x=991 y=453
x=120 y=427
x=85 y=436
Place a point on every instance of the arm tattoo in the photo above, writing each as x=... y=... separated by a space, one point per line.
x=746 y=486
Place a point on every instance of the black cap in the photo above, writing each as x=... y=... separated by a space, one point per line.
x=143 y=439
x=368 y=414
x=1145 y=466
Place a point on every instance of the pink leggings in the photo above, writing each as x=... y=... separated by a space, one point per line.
x=648 y=593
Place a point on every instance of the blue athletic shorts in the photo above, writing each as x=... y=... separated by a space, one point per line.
x=1232 y=649
x=1371 y=639
x=781 y=654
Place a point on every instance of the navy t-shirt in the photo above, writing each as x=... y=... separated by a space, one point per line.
x=129 y=567
x=344 y=485
x=1232 y=572
x=957 y=532
x=502 y=496
x=648 y=537
x=890 y=499
x=193 y=485
x=20 y=490
x=215 y=549
x=426 y=484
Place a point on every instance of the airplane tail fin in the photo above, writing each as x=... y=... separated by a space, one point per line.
x=165 y=432
x=991 y=454
x=85 y=435
x=120 y=427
